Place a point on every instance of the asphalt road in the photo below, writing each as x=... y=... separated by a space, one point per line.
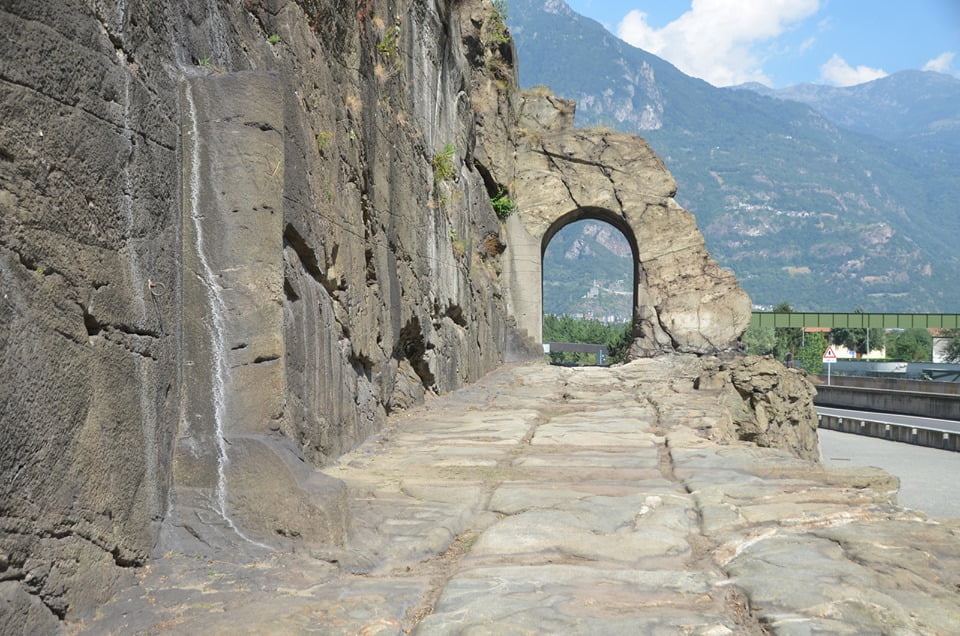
x=894 y=418
x=928 y=476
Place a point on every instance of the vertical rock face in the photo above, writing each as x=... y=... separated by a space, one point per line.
x=89 y=251
x=385 y=277
x=232 y=372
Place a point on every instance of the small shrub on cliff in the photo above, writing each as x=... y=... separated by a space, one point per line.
x=498 y=23
x=323 y=139
x=389 y=45
x=442 y=163
x=492 y=246
x=459 y=247
x=502 y=204
x=274 y=39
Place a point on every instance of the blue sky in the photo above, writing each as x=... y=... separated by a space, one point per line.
x=785 y=42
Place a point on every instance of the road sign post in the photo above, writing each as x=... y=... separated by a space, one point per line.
x=829 y=358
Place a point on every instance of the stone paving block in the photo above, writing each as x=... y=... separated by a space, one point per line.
x=574 y=599
x=627 y=531
x=513 y=497
x=812 y=576
x=619 y=459
x=577 y=430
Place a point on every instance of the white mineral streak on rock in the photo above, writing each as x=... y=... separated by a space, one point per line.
x=217 y=324
x=725 y=555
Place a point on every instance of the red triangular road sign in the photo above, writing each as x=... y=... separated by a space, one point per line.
x=830 y=354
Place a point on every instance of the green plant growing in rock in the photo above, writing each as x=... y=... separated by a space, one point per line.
x=205 y=61
x=459 y=247
x=442 y=164
x=502 y=204
x=274 y=39
x=499 y=33
x=389 y=44
x=323 y=139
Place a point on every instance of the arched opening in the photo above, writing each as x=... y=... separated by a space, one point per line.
x=588 y=287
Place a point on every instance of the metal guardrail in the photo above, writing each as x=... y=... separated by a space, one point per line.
x=577 y=347
x=930 y=437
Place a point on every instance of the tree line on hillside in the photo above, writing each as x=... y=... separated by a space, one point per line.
x=807 y=348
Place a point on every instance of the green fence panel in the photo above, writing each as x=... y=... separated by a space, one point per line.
x=855 y=320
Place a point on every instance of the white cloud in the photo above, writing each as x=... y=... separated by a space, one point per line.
x=715 y=39
x=837 y=72
x=941 y=63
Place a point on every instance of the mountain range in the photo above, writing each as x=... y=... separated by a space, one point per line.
x=827 y=198
x=587 y=273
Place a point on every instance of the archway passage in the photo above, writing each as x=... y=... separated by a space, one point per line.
x=588 y=286
x=683 y=300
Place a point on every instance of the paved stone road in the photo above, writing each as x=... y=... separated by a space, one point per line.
x=576 y=501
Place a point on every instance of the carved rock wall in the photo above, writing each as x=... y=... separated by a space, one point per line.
x=388 y=286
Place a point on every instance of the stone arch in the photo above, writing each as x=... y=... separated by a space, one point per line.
x=683 y=301
x=595 y=214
